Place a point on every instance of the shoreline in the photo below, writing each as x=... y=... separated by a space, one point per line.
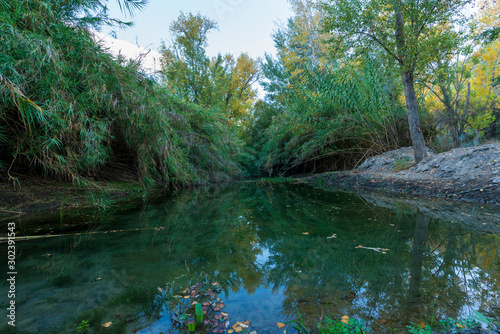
x=467 y=174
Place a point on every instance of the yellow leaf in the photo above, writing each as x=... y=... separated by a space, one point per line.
x=460 y=325
x=186 y=297
x=421 y=325
x=305 y=233
x=238 y=329
x=107 y=324
x=230 y=331
x=345 y=319
x=280 y=325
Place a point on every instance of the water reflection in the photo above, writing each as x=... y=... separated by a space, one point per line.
x=268 y=247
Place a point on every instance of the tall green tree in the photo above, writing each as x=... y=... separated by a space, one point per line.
x=414 y=33
x=223 y=81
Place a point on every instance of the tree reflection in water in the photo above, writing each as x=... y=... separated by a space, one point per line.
x=268 y=247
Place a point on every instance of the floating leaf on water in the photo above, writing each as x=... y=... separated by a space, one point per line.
x=218 y=316
x=227 y=324
x=280 y=325
x=224 y=314
x=230 y=331
x=238 y=329
x=247 y=322
x=253 y=332
x=217 y=308
x=244 y=325
x=107 y=324
x=221 y=305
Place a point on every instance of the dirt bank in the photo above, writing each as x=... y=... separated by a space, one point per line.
x=33 y=195
x=471 y=174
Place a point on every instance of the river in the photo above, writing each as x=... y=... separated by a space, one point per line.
x=277 y=253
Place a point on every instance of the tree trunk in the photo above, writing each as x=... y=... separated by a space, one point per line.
x=407 y=70
x=417 y=138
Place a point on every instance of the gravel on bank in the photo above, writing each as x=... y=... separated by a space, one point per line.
x=471 y=174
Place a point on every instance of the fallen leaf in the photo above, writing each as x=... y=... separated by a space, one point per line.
x=194 y=303
x=224 y=314
x=382 y=321
x=160 y=289
x=244 y=325
x=332 y=237
x=107 y=324
x=230 y=331
x=215 y=284
x=253 y=332
x=238 y=329
x=345 y=319
x=305 y=233
x=460 y=325
x=280 y=325
x=187 y=297
x=177 y=296
x=421 y=325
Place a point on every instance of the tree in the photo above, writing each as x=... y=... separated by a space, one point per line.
x=221 y=82
x=414 y=33
x=450 y=86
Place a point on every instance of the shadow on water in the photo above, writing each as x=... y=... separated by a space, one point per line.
x=276 y=250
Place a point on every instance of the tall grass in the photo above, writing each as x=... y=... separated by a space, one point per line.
x=70 y=110
x=330 y=118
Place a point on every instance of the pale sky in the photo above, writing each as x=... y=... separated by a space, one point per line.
x=244 y=25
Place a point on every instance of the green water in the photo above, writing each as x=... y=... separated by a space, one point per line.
x=269 y=248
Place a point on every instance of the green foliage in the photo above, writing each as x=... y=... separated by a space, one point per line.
x=402 y=163
x=334 y=326
x=71 y=110
x=331 y=117
x=222 y=82
x=199 y=313
x=83 y=327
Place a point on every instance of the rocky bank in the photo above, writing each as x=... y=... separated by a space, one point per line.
x=470 y=174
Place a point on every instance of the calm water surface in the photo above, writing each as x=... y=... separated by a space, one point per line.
x=276 y=250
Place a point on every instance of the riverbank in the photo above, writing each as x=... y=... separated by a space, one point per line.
x=470 y=174
x=33 y=195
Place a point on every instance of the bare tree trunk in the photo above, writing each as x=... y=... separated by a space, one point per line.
x=417 y=138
